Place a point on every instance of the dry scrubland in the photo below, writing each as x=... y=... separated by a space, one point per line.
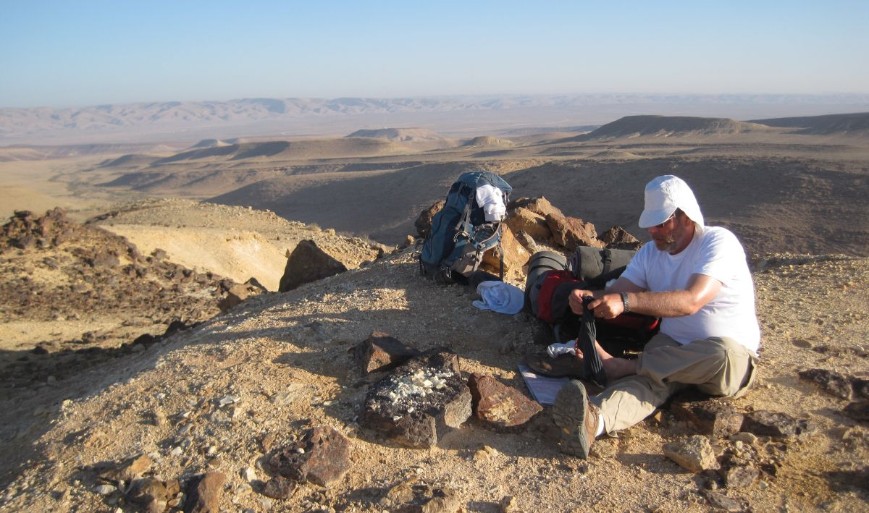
x=206 y=397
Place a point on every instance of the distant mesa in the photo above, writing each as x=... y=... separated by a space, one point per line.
x=615 y=155
x=489 y=141
x=854 y=124
x=399 y=134
x=666 y=126
x=230 y=150
x=129 y=160
x=211 y=143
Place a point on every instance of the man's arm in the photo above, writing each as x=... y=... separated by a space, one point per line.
x=620 y=285
x=675 y=303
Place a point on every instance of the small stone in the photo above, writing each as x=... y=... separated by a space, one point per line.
x=741 y=477
x=229 y=399
x=776 y=424
x=381 y=352
x=204 y=493
x=710 y=417
x=746 y=438
x=831 y=382
x=858 y=410
x=508 y=505
x=128 y=470
x=279 y=487
x=722 y=502
x=105 y=489
x=693 y=453
x=485 y=452
x=324 y=458
x=267 y=442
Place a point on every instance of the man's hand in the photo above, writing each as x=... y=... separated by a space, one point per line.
x=608 y=306
x=575 y=300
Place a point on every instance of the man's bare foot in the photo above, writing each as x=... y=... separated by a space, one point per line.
x=614 y=367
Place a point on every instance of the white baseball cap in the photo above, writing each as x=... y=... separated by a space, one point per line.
x=664 y=195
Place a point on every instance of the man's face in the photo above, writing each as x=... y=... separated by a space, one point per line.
x=673 y=235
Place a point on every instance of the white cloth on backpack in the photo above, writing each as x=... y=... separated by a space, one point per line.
x=500 y=297
x=491 y=199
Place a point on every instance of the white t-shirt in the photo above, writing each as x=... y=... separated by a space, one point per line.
x=714 y=252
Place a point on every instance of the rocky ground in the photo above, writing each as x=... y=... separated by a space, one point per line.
x=74 y=296
x=135 y=427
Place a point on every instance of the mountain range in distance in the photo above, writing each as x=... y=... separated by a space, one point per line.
x=451 y=115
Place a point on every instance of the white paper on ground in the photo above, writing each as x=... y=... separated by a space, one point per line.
x=543 y=388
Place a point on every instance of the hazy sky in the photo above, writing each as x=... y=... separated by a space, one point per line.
x=75 y=53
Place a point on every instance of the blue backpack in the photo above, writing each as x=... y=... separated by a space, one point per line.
x=460 y=234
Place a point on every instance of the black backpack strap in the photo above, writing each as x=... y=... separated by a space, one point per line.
x=465 y=219
x=606 y=259
x=500 y=252
x=591 y=363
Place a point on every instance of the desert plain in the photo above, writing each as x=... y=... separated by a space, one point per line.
x=78 y=397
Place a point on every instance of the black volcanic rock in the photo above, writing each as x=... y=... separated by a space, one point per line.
x=419 y=402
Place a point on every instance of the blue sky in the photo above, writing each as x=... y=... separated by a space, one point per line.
x=77 y=53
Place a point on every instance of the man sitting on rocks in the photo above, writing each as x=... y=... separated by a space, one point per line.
x=696 y=279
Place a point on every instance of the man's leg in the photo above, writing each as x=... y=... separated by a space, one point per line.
x=716 y=366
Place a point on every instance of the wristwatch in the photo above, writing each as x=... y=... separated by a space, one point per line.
x=625 y=304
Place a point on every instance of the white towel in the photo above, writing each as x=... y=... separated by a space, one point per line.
x=500 y=297
x=492 y=200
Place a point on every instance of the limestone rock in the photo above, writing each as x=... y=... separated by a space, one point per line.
x=540 y=206
x=523 y=220
x=571 y=232
x=693 y=453
x=308 y=263
x=617 y=238
x=515 y=256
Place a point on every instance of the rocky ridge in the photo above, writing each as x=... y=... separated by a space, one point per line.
x=57 y=271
